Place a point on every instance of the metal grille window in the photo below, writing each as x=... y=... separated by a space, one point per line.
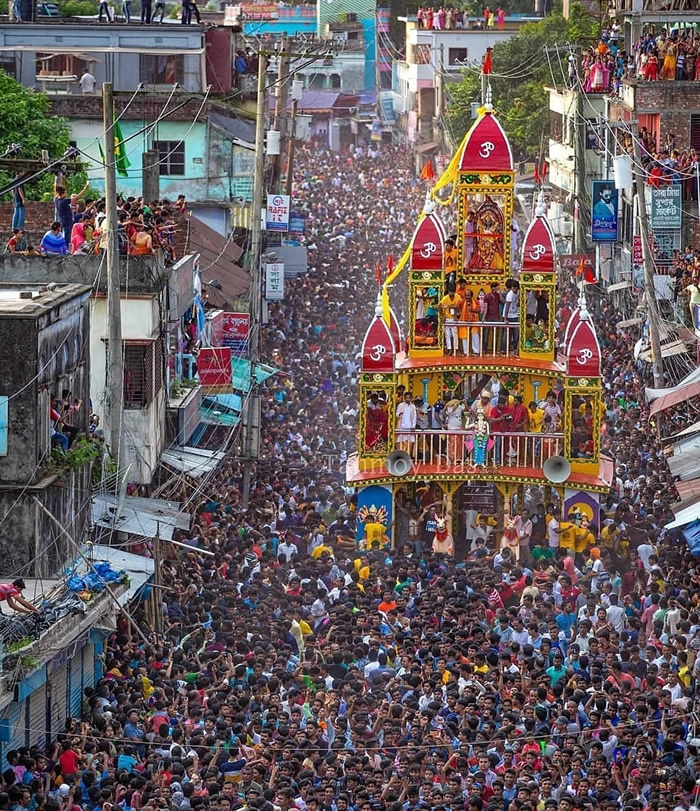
x=695 y=131
x=143 y=373
x=171 y=155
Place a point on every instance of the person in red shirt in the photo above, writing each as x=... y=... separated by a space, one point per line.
x=70 y=761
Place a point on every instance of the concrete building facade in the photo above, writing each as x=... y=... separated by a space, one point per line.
x=45 y=337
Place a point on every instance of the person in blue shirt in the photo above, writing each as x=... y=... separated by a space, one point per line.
x=557 y=671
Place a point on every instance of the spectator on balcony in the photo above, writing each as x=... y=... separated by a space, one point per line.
x=18 y=242
x=11 y=593
x=18 y=202
x=143 y=242
x=87 y=81
x=63 y=213
x=53 y=242
x=103 y=7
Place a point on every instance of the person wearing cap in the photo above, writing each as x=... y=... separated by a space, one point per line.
x=11 y=593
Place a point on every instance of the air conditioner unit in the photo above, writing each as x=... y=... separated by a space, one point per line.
x=567 y=228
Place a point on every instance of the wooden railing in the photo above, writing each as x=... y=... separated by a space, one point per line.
x=484 y=338
x=459 y=448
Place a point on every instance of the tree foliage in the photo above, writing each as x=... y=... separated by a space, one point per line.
x=522 y=67
x=26 y=120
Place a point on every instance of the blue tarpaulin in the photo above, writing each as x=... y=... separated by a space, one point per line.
x=692 y=535
x=95 y=579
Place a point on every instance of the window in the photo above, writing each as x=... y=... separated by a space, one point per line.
x=335 y=81
x=422 y=55
x=455 y=56
x=695 y=131
x=156 y=69
x=171 y=155
x=8 y=64
x=143 y=373
x=556 y=126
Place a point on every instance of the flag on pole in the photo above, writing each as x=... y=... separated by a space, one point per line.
x=487 y=66
x=585 y=272
x=390 y=265
x=427 y=172
x=121 y=160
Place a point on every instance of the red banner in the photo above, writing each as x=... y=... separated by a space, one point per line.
x=231 y=330
x=215 y=371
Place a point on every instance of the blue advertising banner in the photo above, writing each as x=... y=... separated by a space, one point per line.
x=605 y=208
x=297 y=223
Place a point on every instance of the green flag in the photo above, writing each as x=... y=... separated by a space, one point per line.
x=121 y=161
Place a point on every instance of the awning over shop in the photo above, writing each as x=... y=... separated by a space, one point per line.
x=689 y=489
x=652 y=394
x=667 y=350
x=619 y=286
x=139 y=516
x=225 y=409
x=629 y=322
x=139 y=568
x=686 y=516
x=691 y=533
x=685 y=465
x=674 y=397
x=241 y=373
x=195 y=462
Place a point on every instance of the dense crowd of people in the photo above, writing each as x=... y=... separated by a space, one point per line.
x=445 y=18
x=143 y=228
x=297 y=673
x=669 y=55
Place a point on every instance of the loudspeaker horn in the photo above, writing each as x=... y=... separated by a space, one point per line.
x=399 y=463
x=557 y=469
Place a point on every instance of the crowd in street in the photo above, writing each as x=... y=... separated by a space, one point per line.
x=296 y=673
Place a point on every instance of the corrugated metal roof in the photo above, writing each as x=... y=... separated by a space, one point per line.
x=139 y=516
x=193 y=461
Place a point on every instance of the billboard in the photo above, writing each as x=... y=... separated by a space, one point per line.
x=233 y=332
x=277 y=214
x=274 y=281
x=297 y=223
x=215 y=370
x=605 y=209
x=666 y=207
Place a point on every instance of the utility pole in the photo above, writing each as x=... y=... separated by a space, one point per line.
x=653 y=316
x=297 y=89
x=281 y=99
x=251 y=421
x=157 y=582
x=115 y=367
x=150 y=177
x=579 y=164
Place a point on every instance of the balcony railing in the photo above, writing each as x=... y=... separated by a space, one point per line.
x=482 y=339
x=463 y=449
